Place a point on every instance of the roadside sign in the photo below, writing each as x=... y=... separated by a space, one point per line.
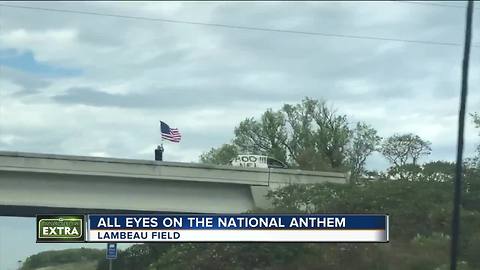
x=111 y=251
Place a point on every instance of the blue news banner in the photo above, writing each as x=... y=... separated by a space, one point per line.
x=237 y=228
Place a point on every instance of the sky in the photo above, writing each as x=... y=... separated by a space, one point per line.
x=90 y=85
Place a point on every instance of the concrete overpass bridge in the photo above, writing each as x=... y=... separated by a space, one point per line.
x=32 y=183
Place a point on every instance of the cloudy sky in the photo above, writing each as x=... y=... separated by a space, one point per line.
x=97 y=85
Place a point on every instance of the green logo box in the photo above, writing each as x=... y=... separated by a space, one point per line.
x=60 y=228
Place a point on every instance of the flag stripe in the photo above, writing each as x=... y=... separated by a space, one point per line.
x=172 y=138
x=170 y=134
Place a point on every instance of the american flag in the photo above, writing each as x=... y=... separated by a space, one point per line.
x=170 y=134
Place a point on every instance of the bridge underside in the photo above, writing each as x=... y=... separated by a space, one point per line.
x=32 y=211
x=32 y=184
x=28 y=194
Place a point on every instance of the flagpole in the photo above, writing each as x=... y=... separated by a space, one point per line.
x=160 y=149
x=161 y=146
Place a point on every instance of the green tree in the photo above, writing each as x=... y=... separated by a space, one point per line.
x=438 y=171
x=319 y=137
x=265 y=137
x=475 y=161
x=58 y=257
x=420 y=213
x=435 y=171
x=221 y=156
x=405 y=148
x=471 y=198
x=138 y=257
x=409 y=172
x=364 y=142
x=476 y=119
x=308 y=135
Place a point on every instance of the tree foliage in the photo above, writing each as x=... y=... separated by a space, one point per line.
x=221 y=156
x=405 y=148
x=476 y=119
x=420 y=216
x=58 y=257
x=265 y=137
x=475 y=161
x=139 y=257
x=364 y=142
x=435 y=171
x=309 y=135
x=319 y=136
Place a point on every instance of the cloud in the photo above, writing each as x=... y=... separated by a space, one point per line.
x=205 y=80
x=27 y=83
